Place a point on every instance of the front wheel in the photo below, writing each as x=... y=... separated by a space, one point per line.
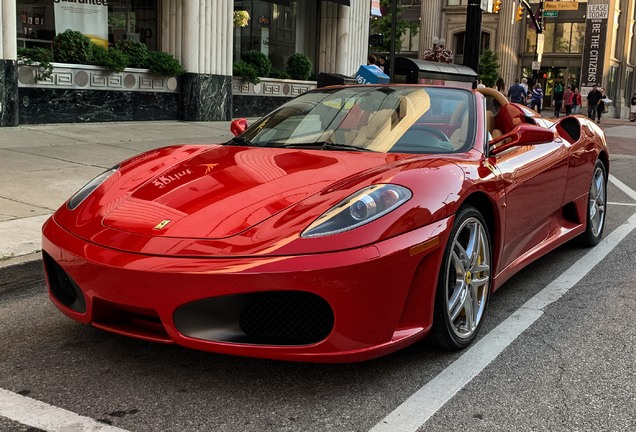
x=595 y=220
x=464 y=282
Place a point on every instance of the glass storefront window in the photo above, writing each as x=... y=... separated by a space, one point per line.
x=278 y=29
x=37 y=23
x=531 y=39
x=560 y=37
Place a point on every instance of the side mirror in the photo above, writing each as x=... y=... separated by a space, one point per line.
x=238 y=126
x=524 y=134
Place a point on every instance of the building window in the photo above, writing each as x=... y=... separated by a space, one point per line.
x=410 y=2
x=559 y=37
x=629 y=86
x=612 y=82
x=278 y=29
x=410 y=42
x=37 y=22
x=459 y=39
x=458 y=2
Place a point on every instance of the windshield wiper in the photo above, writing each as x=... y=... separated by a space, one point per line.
x=334 y=146
x=241 y=141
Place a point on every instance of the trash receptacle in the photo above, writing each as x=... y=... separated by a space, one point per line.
x=332 y=79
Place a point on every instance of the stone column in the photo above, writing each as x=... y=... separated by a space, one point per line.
x=344 y=32
x=431 y=24
x=508 y=36
x=8 y=67
x=199 y=34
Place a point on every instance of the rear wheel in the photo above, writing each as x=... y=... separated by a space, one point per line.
x=596 y=207
x=464 y=282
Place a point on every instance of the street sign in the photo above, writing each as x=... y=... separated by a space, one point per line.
x=540 y=41
x=536 y=65
x=483 y=5
x=560 y=5
x=554 y=13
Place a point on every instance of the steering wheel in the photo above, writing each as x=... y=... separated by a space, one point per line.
x=433 y=131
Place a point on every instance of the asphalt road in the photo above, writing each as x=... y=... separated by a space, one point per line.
x=573 y=369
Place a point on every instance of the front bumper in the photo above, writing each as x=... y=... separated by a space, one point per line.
x=380 y=297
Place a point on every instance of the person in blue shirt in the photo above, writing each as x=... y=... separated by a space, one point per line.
x=517 y=93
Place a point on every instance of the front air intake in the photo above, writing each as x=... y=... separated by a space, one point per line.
x=62 y=286
x=264 y=318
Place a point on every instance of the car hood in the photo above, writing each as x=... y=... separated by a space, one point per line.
x=226 y=190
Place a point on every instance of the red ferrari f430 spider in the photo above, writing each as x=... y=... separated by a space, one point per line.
x=348 y=223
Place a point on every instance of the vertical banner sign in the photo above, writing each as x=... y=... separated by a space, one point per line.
x=86 y=16
x=375 y=8
x=594 y=50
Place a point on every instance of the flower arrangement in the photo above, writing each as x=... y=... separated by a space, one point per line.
x=438 y=54
x=241 y=18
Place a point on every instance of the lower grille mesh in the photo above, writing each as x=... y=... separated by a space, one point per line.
x=296 y=316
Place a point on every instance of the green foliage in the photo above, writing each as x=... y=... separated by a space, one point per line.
x=259 y=61
x=113 y=59
x=299 y=66
x=246 y=71
x=383 y=25
x=163 y=64
x=38 y=55
x=488 y=68
x=136 y=51
x=72 y=47
x=278 y=74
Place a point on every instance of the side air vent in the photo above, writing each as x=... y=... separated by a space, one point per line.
x=62 y=286
x=570 y=129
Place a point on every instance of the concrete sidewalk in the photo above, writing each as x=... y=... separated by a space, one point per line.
x=42 y=166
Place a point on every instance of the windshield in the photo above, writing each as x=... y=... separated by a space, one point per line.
x=385 y=119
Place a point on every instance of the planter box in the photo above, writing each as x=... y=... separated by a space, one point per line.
x=255 y=100
x=83 y=93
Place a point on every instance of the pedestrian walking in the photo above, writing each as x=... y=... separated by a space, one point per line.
x=593 y=98
x=576 y=101
x=557 y=102
x=632 y=116
x=567 y=101
x=517 y=93
x=500 y=86
x=537 y=98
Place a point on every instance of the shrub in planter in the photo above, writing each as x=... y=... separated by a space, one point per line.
x=113 y=59
x=163 y=64
x=299 y=66
x=246 y=71
x=136 y=51
x=259 y=61
x=278 y=74
x=38 y=55
x=72 y=47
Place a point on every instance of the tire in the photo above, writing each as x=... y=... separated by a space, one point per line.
x=595 y=219
x=463 y=288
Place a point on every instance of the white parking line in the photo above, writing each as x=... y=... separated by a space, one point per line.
x=417 y=409
x=47 y=417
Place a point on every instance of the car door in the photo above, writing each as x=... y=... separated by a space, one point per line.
x=535 y=178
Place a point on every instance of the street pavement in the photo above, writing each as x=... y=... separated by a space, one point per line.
x=41 y=166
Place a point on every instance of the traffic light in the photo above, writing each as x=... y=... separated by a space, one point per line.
x=496 y=6
x=519 y=13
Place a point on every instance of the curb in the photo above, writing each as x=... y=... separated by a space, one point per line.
x=26 y=270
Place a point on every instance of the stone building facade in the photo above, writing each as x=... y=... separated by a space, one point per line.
x=200 y=34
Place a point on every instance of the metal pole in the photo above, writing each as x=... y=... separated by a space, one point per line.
x=393 y=41
x=472 y=40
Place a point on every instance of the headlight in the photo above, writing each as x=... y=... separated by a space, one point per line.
x=90 y=187
x=362 y=207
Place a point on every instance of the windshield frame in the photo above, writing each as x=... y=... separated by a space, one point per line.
x=332 y=107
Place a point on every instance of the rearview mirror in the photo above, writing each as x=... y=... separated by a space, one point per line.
x=238 y=126
x=524 y=134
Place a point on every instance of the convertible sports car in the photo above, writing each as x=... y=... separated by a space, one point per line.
x=348 y=223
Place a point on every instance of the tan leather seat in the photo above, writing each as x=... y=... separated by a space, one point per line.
x=492 y=126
